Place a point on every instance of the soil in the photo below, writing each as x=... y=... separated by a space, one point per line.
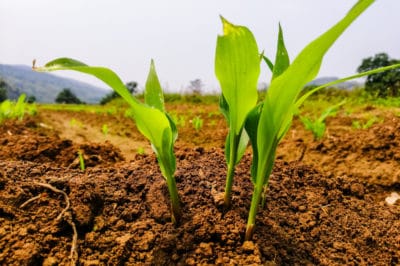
x=325 y=204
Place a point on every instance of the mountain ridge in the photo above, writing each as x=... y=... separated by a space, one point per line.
x=46 y=86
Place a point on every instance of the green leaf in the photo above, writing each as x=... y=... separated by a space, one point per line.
x=251 y=126
x=224 y=107
x=304 y=97
x=102 y=73
x=237 y=67
x=242 y=146
x=268 y=62
x=153 y=94
x=151 y=122
x=282 y=60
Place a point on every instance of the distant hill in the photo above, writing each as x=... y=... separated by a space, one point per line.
x=348 y=85
x=45 y=86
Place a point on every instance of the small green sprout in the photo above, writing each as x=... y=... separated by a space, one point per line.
x=151 y=118
x=197 y=123
x=16 y=110
x=318 y=126
x=81 y=160
x=104 y=129
x=75 y=123
x=179 y=120
x=358 y=124
x=140 y=151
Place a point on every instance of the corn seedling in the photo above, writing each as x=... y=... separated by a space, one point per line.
x=318 y=126
x=140 y=151
x=81 y=160
x=104 y=129
x=358 y=124
x=75 y=123
x=151 y=118
x=237 y=69
x=15 y=110
x=197 y=123
x=179 y=120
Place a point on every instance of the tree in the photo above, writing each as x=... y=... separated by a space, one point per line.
x=3 y=94
x=4 y=87
x=66 y=96
x=382 y=84
x=195 y=86
x=31 y=99
x=131 y=86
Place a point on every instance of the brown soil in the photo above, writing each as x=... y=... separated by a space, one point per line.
x=324 y=209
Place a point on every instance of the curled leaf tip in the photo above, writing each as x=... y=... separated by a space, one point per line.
x=34 y=64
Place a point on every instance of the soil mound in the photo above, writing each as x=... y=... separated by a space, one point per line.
x=28 y=141
x=122 y=216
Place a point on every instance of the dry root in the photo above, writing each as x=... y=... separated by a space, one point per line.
x=65 y=214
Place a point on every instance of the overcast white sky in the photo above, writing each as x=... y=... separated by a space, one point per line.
x=180 y=35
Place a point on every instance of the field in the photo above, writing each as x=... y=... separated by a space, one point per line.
x=326 y=203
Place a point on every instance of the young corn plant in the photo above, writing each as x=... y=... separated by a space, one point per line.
x=267 y=123
x=15 y=110
x=318 y=126
x=237 y=67
x=197 y=123
x=151 y=118
x=81 y=161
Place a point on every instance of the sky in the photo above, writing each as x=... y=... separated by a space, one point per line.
x=180 y=35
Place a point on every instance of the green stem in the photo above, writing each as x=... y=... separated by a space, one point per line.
x=176 y=212
x=175 y=202
x=234 y=141
x=263 y=175
x=251 y=221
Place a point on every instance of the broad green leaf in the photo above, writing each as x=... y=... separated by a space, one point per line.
x=153 y=95
x=151 y=122
x=237 y=67
x=102 y=73
x=282 y=61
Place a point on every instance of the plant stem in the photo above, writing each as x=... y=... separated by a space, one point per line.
x=234 y=141
x=251 y=222
x=260 y=188
x=176 y=212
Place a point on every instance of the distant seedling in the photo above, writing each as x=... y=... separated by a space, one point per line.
x=104 y=129
x=81 y=160
x=140 y=151
x=359 y=124
x=197 y=123
x=16 y=110
x=318 y=126
x=75 y=123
